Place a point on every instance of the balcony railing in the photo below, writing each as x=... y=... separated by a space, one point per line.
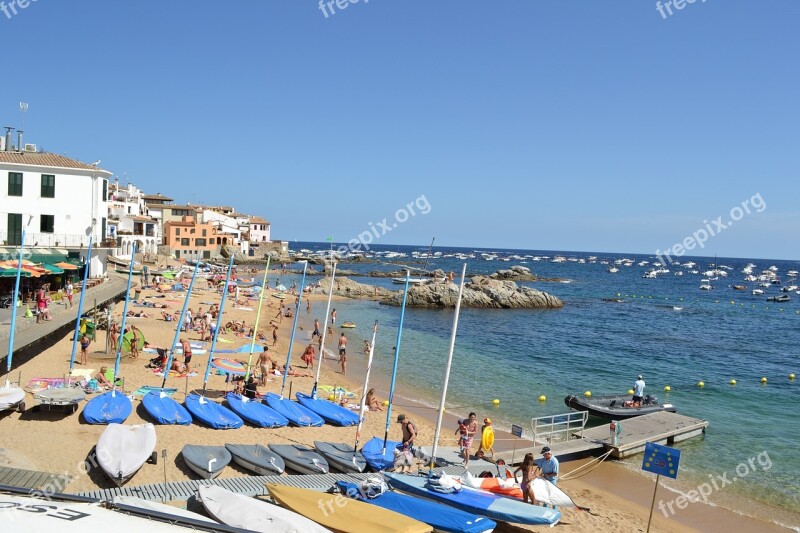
x=51 y=240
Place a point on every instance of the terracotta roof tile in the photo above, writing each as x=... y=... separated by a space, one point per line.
x=45 y=159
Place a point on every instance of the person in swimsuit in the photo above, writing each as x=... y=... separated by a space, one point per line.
x=316 y=329
x=84 y=347
x=343 y=353
x=333 y=316
x=528 y=467
x=134 y=342
x=113 y=335
x=465 y=441
x=187 y=353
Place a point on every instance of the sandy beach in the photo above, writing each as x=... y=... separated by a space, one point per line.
x=51 y=441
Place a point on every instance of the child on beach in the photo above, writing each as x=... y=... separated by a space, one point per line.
x=528 y=467
x=487 y=423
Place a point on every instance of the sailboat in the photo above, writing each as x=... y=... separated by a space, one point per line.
x=254 y=411
x=157 y=403
x=11 y=395
x=380 y=453
x=113 y=407
x=293 y=411
x=341 y=455
x=69 y=397
x=332 y=413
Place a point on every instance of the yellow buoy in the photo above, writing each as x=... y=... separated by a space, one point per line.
x=630 y=391
x=701 y=384
x=542 y=398
x=791 y=376
x=385 y=403
x=331 y=397
x=588 y=394
x=733 y=382
x=763 y=380
x=496 y=401
x=667 y=388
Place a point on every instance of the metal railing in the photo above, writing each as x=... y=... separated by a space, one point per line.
x=558 y=428
x=47 y=240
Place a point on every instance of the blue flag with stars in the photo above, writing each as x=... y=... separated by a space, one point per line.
x=661 y=460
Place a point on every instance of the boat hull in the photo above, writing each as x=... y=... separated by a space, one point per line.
x=611 y=407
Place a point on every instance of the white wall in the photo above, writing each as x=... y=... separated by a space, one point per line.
x=78 y=200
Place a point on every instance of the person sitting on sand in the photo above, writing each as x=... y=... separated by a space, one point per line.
x=250 y=390
x=160 y=360
x=297 y=373
x=139 y=314
x=166 y=316
x=371 y=401
x=102 y=379
x=177 y=366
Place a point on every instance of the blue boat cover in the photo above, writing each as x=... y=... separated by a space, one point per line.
x=255 y=412
x=212 y=414
x=296 y=413
x=441 y=517
x=112 y=407
x=331 y=412
x=477 y=501
x=165 y=410
x=375 y=459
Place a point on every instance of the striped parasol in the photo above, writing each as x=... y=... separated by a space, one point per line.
x=230 y=366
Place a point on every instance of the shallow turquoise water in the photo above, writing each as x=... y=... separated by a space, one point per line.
x=518 y=355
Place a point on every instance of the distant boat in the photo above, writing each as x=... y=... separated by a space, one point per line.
x=739 y=288
x=758 y=292
x=412 y=281
x=781 y=298
x=613 y=407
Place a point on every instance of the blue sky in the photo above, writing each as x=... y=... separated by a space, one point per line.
x=580 y=125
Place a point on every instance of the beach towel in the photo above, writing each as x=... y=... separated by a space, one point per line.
x=85 y=373
x=174 y=373
x=141 y=391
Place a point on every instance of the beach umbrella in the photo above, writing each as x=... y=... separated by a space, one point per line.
x=229 y=365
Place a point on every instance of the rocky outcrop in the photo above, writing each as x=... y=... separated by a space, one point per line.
x=347 y=287
x=515 y=273
x=482 y=291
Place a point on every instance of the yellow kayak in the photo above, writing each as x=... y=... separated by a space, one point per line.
x=342 y=514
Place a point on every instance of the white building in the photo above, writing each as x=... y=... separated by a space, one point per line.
x=259 y=230
x=129 y=221
x=59 y=201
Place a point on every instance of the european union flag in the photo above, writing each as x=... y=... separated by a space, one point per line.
x=661 y=460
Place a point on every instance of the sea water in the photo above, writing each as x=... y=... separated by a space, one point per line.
x=666 y=329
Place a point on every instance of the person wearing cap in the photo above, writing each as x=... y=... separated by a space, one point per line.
x=638 y=392
x=548 y=466
x=487 y=422
x=409 y=431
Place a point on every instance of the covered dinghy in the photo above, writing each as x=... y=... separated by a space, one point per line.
x=112 y=407
x=164 y=409
x=248 y=513
x=301 y=458
x=122 y=450
x=376 y=457
x=440 y=517
x=257 y=458
x=255 y=412
x=211 y=413
x=332 y=413
x=206 y=461
x=296 y=413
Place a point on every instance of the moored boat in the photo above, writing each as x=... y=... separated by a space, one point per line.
x=613 y=407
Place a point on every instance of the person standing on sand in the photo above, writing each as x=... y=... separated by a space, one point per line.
x=467 y=428
x=134 y=342
x=528 y=467
x=187 y=353
x=113 y=335
x=84 y=350
x=343 y=353
x=68 y=292
x=409 y=431
x=308 y=306
x=548 y=466
x=265 y=364
x=274 y=334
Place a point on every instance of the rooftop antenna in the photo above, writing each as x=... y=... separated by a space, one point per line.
x=23 y=108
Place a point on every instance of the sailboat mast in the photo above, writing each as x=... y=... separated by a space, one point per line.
x=396 y=359
x=447 y=369
x=10 y=355
x=294 y=327
x=258 y=318
x=363 y=408
x=80 y=310
x=180 y=325
x=324 y=334
x=124 y=319
x=219 y=320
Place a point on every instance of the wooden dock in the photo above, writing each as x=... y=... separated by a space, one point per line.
x=662 y=428
x=32 y=479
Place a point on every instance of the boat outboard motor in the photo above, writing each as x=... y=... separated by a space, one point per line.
x=650 y=400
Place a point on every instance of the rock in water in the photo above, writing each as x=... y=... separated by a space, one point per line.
x=482 y=292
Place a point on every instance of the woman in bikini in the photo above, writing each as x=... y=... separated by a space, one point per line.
x=528 y=467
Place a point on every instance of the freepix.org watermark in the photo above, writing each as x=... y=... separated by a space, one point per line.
x=419 y=206
x=715 y=227
x=665 y=8
x=13 y=7
x=715 y=483
x=329 y=7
